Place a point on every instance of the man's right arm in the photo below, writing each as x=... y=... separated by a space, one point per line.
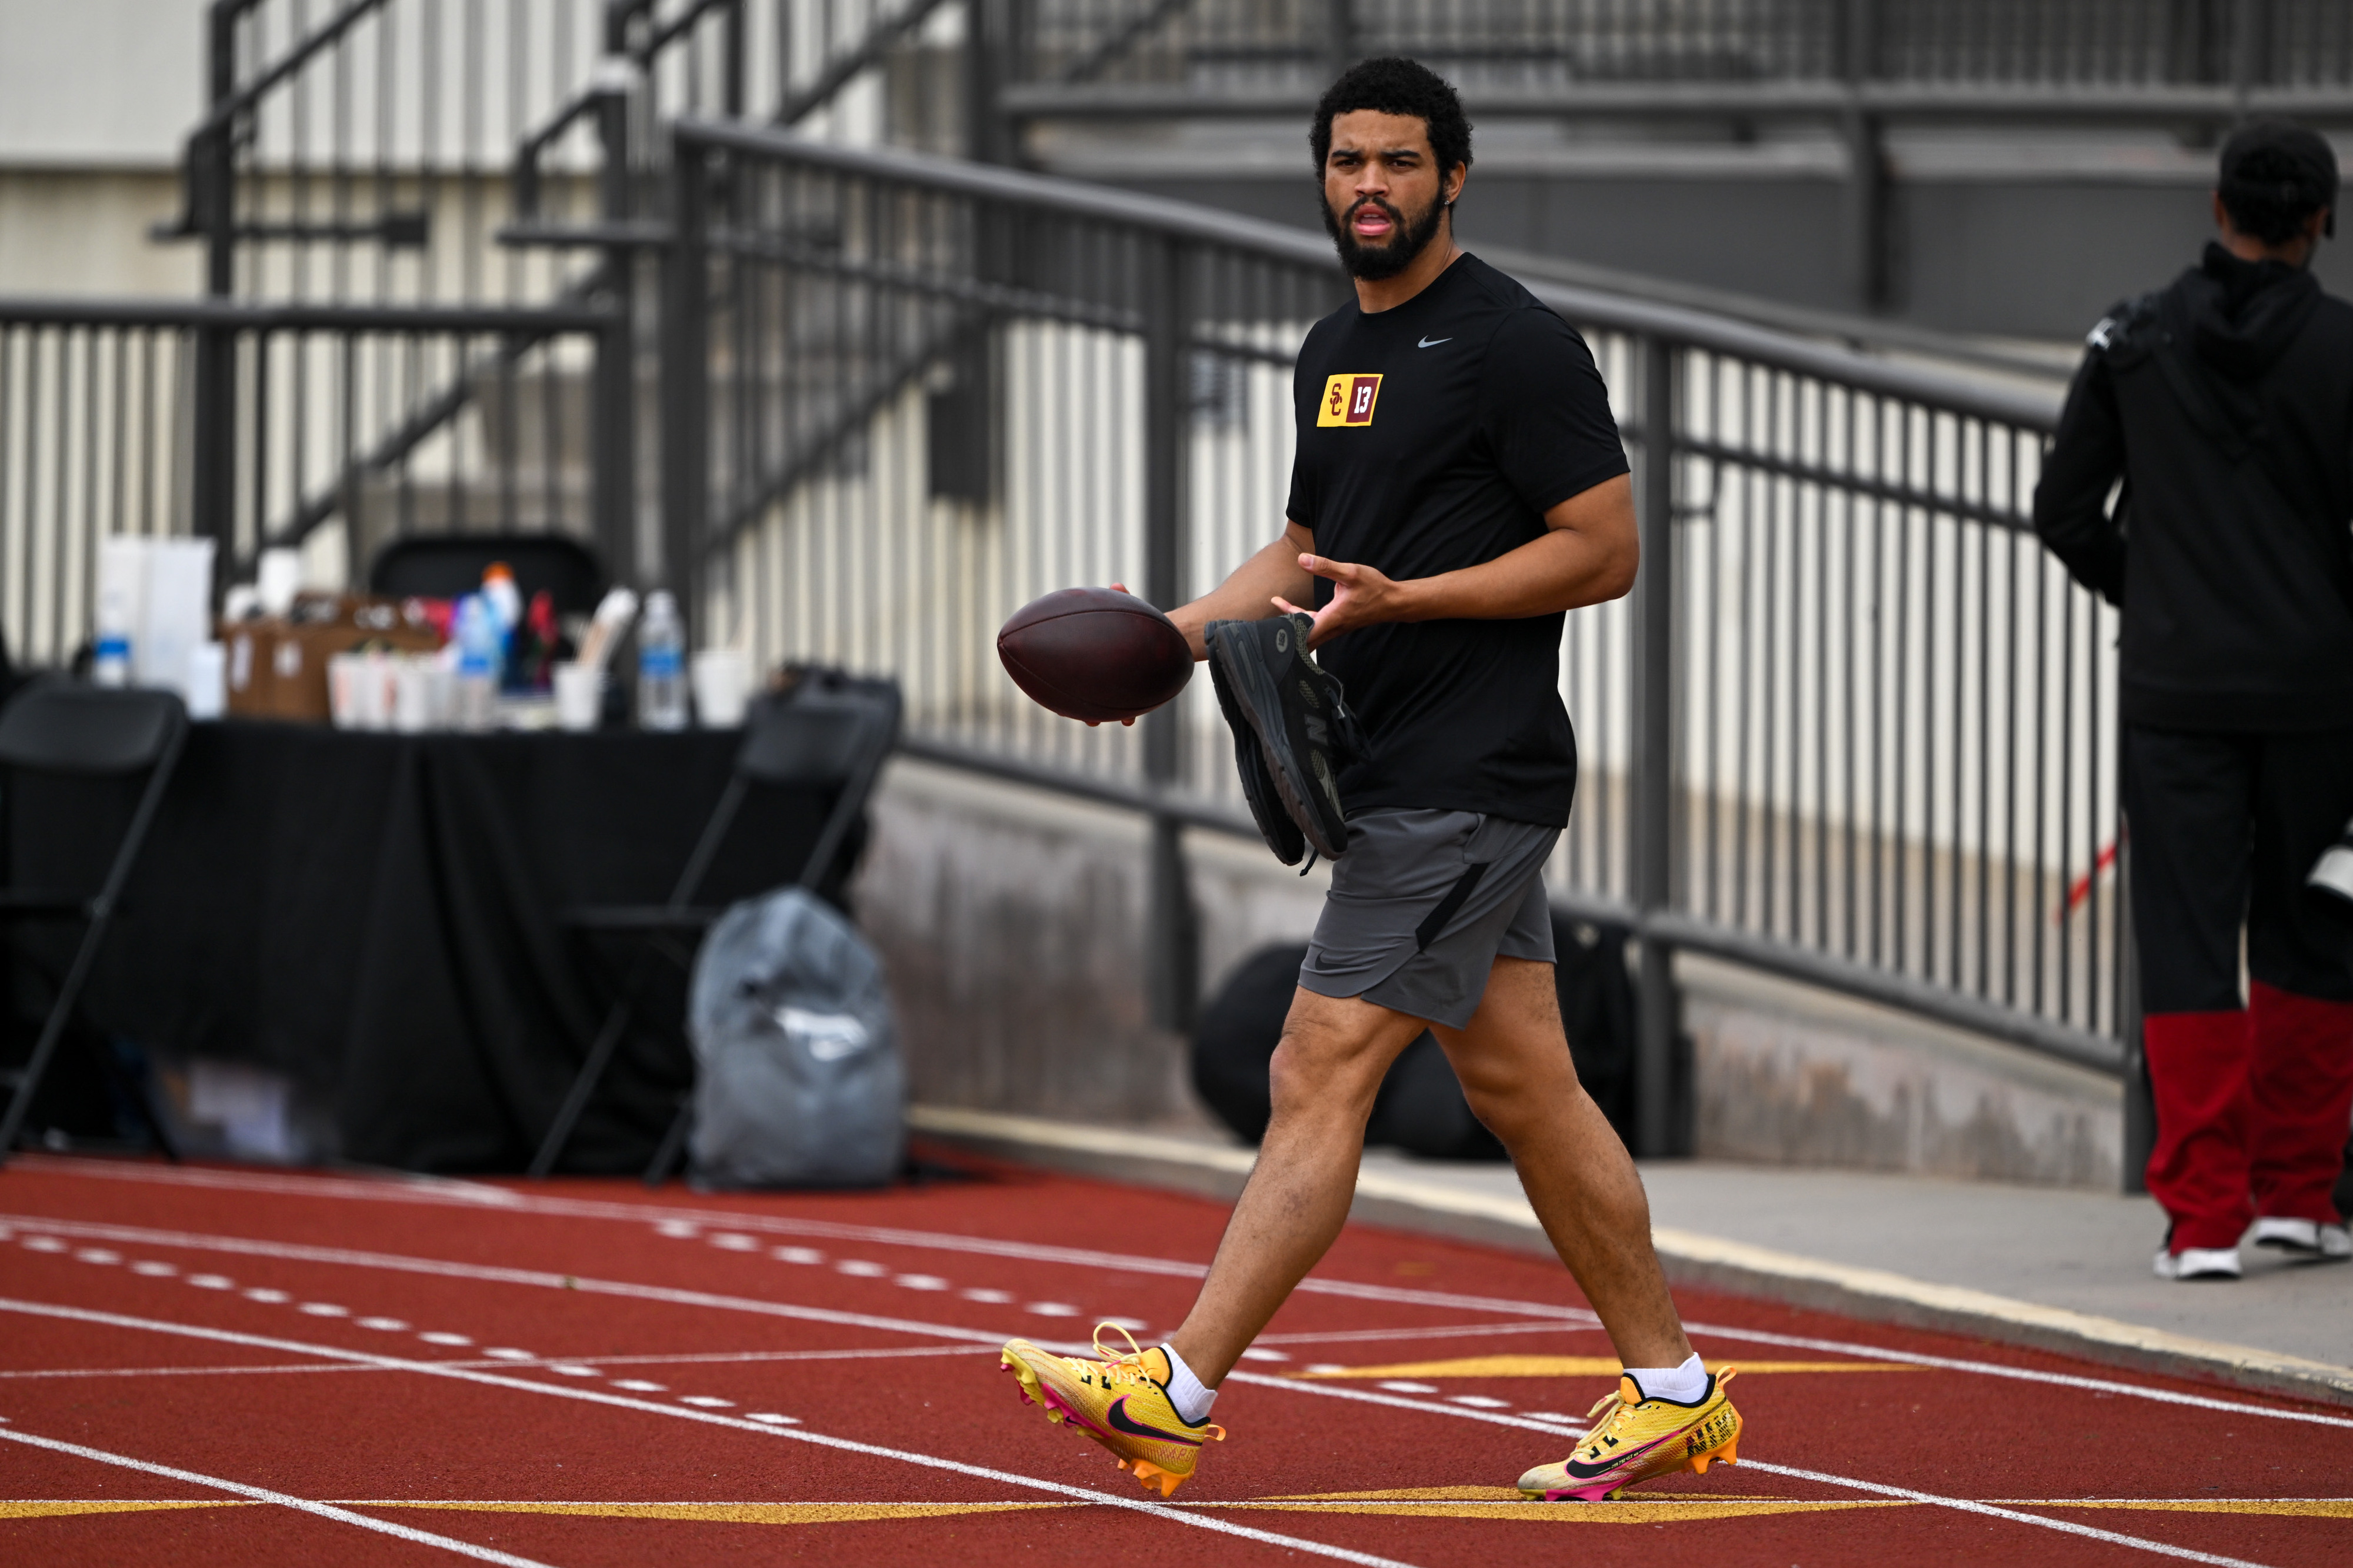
x=1249 y=592
x=2071 y=500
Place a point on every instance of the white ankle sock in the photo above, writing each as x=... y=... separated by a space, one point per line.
x=1188 y=1394
x=1683 y=1383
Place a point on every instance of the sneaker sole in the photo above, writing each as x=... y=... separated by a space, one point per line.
x=1254 y=690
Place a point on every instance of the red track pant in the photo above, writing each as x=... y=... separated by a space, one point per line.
x=2252 y=1109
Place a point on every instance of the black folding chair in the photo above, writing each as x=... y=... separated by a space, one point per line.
x=91 y=732
x=830 y=735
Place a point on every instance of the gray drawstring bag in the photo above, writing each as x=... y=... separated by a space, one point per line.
x=798 y=1081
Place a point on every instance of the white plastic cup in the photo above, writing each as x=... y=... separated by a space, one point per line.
x=722 y=679
x=344 y=683
x=579 y=695
x=278 y=578
x=206 y=691
x=412 y=694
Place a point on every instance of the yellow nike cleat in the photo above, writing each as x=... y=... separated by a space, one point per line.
x=1121 y=1401
x=1635 y=1439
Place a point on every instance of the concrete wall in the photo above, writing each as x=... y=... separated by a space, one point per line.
x=1012 y=924
x=1789 y=1076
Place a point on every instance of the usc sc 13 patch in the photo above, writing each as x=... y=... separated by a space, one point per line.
x=1348 y=400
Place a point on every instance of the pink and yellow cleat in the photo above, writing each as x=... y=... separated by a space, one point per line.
x=1121 y=1401
x=1635 y=1439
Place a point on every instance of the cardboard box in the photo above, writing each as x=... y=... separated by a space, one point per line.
x=278 y=667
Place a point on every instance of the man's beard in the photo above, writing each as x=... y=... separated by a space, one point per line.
x=1374 y=262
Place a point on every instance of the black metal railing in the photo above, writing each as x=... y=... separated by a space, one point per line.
x=1852 y=726
x=392 y=154
x=1250 y=47
x=99 y=426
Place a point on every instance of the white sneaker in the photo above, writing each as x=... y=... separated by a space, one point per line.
x=2199 y=1263
x=2308 y=1240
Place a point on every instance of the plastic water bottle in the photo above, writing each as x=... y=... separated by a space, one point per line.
x=479 y=650
x=661 y=665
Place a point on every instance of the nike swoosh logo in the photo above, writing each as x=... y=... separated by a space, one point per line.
x=1432 y=342
x=1118 y=1419
x=1587 y=1472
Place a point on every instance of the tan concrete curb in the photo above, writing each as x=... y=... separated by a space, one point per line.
x=1186 y=1164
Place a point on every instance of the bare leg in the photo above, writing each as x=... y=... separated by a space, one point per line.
x=1514 y=1065
x=1325 y=1074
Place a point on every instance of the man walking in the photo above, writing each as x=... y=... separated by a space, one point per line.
x=1459 y=485
x=2224 y=404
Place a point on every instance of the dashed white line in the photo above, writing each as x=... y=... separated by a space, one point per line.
x=1568 y=1316
x=797 y=1254
x=792 y=1432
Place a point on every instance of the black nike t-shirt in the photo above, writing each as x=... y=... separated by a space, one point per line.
x=1434 y=436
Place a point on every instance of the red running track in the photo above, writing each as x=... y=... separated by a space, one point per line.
x=202 y=1366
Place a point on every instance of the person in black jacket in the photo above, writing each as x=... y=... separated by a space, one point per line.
x=2203 y=480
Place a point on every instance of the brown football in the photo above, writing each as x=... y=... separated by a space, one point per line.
x=1094 y=653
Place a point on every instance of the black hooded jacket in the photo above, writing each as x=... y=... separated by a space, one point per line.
x=2224 y=404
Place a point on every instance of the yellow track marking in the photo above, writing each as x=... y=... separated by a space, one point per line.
x=730 y=1512
x=58 y=1507
x=1496 y=1503
x=1579 y=1366
x=1663 y=1512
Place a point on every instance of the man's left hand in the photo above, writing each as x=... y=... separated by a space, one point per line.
x=1361 y=596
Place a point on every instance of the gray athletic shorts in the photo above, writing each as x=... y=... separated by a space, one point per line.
x=1422 y=905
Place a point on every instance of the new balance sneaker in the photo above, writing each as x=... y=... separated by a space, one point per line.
x=2307 y=1240
x=2197 y=1263
x=1121 y=1401
x=1271 y=687
x=1636 y=1437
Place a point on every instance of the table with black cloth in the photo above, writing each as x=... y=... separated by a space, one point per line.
x=376 y=916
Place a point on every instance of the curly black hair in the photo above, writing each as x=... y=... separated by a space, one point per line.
x=1393 y=85
x=2274 y=176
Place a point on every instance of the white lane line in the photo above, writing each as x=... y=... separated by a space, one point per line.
x=675 y=1412
x=2020 y=1374
x=263 y=1494
x=444 y=1369
x=687 y=1224
x=307 y=1253
x=1992 y=1510
x=692 y=1222
x=1443 y=1331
